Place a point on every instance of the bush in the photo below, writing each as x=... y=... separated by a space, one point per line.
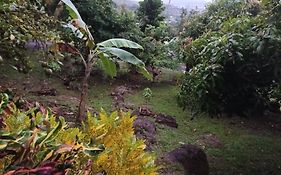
x=160 y=48
x=15 y=37
x=40 y=143
x=233 y=68
x=200 y=89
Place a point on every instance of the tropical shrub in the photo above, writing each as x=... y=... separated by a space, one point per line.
x=123 y=154
x=37 y=142
x=91 y=53
x=168 y=54
x=234 y=64
x=150 y=13
x=160 y=48
x=103 y=18
x=147 y=94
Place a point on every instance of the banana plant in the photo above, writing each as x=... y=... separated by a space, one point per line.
x=106 y=51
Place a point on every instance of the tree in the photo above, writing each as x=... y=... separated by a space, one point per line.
x=105 y=51
x=150 y=13
x=21 y=22
x=101 y=16
x=235 y=60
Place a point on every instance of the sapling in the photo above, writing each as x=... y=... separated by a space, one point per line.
x=105 y=51
x=147 y=94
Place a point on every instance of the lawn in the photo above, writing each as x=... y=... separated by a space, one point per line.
x=234 y=145
x=238 y=149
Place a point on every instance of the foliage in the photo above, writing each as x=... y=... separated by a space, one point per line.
x=160 y=48
x=147 y=94
x=192 y=25
x=149 y=13
x=133 y=31
x=104 y=51
x=30 y=143
x=4 y=98
x=102 y=17
x=21 y=22
x=125 y=152
x=234 y=62
x=40 y=143
x=168 y=54
x=200 y=89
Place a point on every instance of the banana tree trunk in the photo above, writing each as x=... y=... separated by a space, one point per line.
x=82 y=110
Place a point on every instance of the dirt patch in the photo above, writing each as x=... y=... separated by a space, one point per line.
x=192 y=158
x=118 y=96
x=46 y=92
x=145 y=124
x=143 y=111
x=157 y=117
x=209 y=140
x=145 y=129
x=166 y=120
x=270 y=122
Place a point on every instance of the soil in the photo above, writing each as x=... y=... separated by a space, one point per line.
x=209 y=140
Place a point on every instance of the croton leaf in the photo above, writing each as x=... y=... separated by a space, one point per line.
x=3 y=144
x=93 y=151
x=53 y=133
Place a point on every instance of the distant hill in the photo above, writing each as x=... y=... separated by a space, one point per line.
x=129 y=4
x=188 y=4
x=172 y=12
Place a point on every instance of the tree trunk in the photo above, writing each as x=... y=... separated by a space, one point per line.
x=82 y=110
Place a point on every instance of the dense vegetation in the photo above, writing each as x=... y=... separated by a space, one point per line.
x=223 y=60
x=18 y=26
x=36 y=142
x=233 y=53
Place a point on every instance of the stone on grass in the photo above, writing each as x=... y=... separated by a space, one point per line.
x=145 y=129
x=166 y=120
x=192 y=158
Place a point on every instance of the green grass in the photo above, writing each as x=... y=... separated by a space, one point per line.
x=99 y=96
x=242 y=152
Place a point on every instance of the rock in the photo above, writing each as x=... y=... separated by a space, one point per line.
x=192 y=158
x=46 y=92
x=166 y=120
x=121 y=90
x=145 y=129
x=143 y=111
x=118 y=97
x=154 y=71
